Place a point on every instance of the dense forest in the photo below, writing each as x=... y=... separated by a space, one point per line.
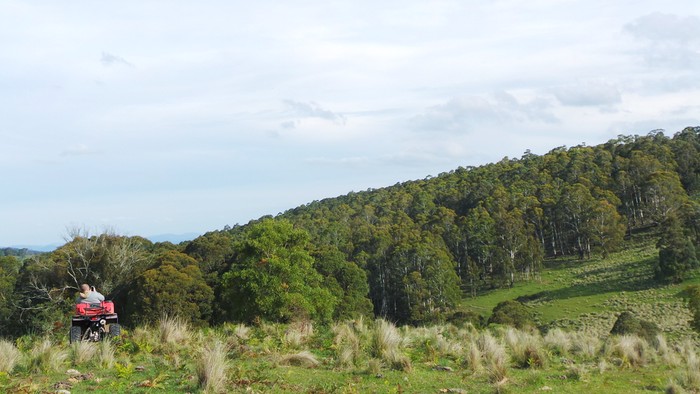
x=407 y=253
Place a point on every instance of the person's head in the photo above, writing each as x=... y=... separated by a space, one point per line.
x=84 y=288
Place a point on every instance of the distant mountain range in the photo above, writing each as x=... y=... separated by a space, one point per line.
x=174 y=238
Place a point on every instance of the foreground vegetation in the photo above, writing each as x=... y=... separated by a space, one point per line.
x=351 y=357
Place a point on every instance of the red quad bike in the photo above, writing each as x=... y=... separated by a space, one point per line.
x=94 y=322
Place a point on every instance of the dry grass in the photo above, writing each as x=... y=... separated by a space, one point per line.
x=558 y=341
x=83 y=352
x=585 y=345
x=301 y=359
x=526 y=349
x=472 y=358
x=106 y=354
x=347 y=345
x=297 y=334
x=212 y=367
x=495 y=357
x=173 y=329
x=44 y=357
x=10 y=356
x=633 y=350
x=387 y=339
x=665 y=352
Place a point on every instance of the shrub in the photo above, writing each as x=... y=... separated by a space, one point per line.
x=511 y=313
x=628 y=324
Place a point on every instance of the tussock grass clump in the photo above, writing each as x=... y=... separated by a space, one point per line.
x=347 y=345
x=145 y=338
x=83 y=352
x=387 y=339
x=472 y=357
x=9 y=356
x=212 y=367
x=173 y=329
x=689 y=376
x=558 y=341
x=44 y=357
x=585 y=345
x=297 y=334
x=633 y=350
x=526 y=349
x=242 y=332
x=301 y=359
x=374 y=366
x=239 y=332
x=665 y=352
x=106 y=354
x=495 y=357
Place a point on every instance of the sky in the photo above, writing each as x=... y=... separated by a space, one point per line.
x=171 y=117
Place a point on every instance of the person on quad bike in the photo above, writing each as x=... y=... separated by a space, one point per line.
x=89 y=295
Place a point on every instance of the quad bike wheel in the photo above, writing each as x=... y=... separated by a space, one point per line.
x=114 y=330
x=76 y=334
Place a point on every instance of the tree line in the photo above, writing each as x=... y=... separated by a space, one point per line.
x=408 y=252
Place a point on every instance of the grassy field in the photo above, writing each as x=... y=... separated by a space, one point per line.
x=576 y=301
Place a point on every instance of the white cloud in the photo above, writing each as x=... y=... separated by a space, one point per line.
x=588 y=94
x=666 y=27
x=108 y=59
x=669 y=41
x=313 y=110
x=462 y=114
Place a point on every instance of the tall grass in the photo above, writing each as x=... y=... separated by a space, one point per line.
x=558 y=341
x=387 y=339
x=633 y=351
x=83 y=352
x=472 y=357
x=212 y=367
x=10 y=356
x=689 y=376
x=173 y=329
x=585 y=345
x=106 y=354
x=45 y=357
x=526 y=349
x=495 y=357
x=346 y=344
x=297 y=334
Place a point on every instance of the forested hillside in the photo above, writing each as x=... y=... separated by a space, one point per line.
x=407 y=253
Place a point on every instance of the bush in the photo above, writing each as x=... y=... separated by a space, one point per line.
x=628 y=324
x=511 y=313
